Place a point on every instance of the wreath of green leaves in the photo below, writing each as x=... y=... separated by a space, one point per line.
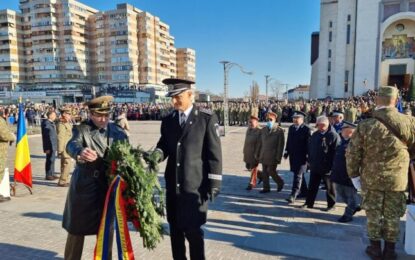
x=144 y=196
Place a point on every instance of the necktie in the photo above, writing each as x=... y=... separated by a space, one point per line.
x=182 y=119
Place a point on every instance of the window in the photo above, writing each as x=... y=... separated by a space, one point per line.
x=330 y=24
x=328 y=80
x=349 y=18
x=346 y=81
x=348 y=34
x=329 y=53
x=330 y=36
x=329 y=66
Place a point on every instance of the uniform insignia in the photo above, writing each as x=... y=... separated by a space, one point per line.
x=206 y=111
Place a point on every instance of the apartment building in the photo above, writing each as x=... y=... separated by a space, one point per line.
x=66 y=45
x=12 y=66
x=186 y=63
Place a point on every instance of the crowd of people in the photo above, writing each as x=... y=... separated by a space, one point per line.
x=370 y=158
x=345 y=154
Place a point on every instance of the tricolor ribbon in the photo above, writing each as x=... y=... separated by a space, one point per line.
x=114 y=209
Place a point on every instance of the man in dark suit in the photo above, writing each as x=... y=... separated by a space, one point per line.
x=190 y=141
x=321 y=152
x=297 y=150
x=50 y=144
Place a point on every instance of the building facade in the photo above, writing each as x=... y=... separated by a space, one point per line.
x=66 y=45
x=186 y=64
x=363 y=45
x=12 y=63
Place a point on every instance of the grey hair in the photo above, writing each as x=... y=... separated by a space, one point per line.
x=322 y=119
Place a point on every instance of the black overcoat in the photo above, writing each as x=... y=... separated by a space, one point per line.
x=297 y=146
x=86 y=194
x=194 y=166
x=339 y=170
x=321 y=151
x=49 y=136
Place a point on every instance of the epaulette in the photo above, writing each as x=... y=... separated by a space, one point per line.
x=206 y=111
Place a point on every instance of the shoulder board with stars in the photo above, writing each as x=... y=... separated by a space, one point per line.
x=206 y=111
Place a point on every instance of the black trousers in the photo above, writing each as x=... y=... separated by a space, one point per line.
x=195 y=239
x=299 y=183
x=50 y=163
x=315 y=180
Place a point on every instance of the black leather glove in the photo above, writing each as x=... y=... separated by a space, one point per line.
x=213 y=193
x=248 y=166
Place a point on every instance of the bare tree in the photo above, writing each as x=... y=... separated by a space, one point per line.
x=275 y=87
x=254 y=92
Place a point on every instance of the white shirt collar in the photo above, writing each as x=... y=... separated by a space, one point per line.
x=186 y=112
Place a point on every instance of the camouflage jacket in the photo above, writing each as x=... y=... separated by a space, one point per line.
x=377 y=155
x=6 y=136
x=64 y=135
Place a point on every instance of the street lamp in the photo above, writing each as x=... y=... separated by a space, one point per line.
x=227 y=65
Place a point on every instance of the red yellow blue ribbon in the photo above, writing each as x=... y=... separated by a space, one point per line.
x=114 y=209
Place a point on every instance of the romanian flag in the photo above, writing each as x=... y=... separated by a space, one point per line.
x=22 y=166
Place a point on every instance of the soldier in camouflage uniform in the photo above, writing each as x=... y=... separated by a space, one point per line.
x=6 y=136
x=378 y=159
x=64 y=135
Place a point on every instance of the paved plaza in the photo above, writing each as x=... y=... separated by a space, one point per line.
x=241 y=224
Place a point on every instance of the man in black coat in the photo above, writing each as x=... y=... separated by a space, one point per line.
x=190 y=141
x=321 y=152
x=50 y=144
x=86 y=195
x=297 y=150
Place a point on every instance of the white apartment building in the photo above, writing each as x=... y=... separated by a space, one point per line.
x=64 y=45
x=361 y=46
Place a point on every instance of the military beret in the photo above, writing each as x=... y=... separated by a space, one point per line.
x=388 y=91
x=299 y=114
x=269 y=114
x=347 y=124
x=254 y=117
x=64 y=109
x=177 y=86
x=100 y=105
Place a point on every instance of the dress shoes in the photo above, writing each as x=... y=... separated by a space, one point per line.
x=51 y=178
x=329 y=209
x=345 y=219
x=290 y=199
x=305 y=206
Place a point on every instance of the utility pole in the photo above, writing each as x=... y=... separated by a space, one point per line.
x=227 y=65
x=266 y=88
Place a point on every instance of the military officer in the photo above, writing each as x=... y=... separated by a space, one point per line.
x=297 y=150
x=251 y=150
x=377 y=161
x=50 y=144
x=190 y=141
x=6 y=137
x=272 y=148
x=64 y=135
x=86 y=195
